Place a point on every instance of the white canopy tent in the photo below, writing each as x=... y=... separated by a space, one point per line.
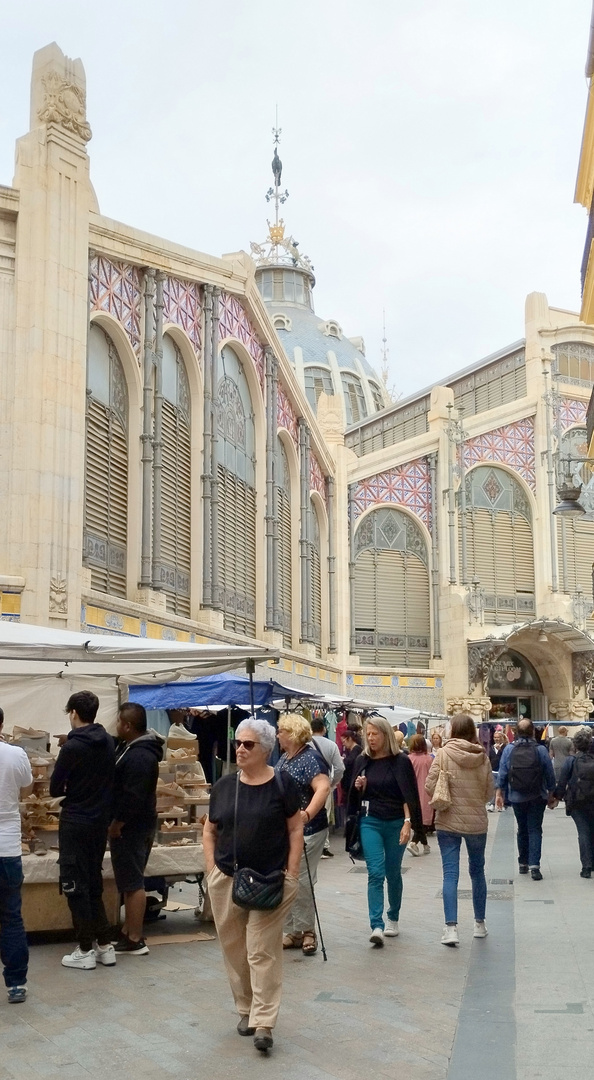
x=41 y=666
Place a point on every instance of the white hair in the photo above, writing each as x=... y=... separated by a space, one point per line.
x=265 y=731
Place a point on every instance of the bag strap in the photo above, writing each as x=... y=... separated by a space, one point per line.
x=235 y=822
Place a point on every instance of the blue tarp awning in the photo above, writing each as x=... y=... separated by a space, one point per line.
x=226 y=689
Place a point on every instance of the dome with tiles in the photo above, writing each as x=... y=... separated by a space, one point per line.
x=324 y=359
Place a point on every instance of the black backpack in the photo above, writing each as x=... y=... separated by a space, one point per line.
x=582 y=781
x=525 y=769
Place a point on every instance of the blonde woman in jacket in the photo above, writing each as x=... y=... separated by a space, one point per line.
x=471 y=787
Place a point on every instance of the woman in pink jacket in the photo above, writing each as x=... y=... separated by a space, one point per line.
x=421 y=762
x=471 y=786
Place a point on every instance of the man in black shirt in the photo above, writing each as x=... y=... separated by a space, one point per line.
x=134 y=819
x=83 y=774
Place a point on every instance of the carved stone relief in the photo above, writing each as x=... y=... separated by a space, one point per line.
x=64 y=104
x=58 y=597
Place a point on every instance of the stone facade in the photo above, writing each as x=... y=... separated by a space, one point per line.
x=464 y=469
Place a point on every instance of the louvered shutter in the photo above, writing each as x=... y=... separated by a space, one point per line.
x=579 y=557
x=500 y=555
x=176 y=509
x=237 y=552
x=285 y=580
x=106 y=499
x=316 y=582
x=392 y=602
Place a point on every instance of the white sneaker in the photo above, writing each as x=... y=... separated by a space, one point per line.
x=480 y=930
x=392 y=928
x=79 y=959
x=105 y=954
x=413 y=848
x=377 y=938
x=450 y=935
x=426 y=849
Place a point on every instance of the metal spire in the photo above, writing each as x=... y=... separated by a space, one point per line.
x=385 y=351
x=277 y=231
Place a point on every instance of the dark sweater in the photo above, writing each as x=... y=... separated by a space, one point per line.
x=135 y=784
x=84 y=774
x=402 y=785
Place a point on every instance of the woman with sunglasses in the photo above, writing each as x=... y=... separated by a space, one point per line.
x=268 y=837
x=303 y=762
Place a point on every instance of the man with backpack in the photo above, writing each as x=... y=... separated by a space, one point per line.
x=576 y=786
x=527 y=782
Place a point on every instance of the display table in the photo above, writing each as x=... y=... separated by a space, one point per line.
x=44 y=908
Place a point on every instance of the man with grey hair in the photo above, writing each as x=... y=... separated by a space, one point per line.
x=576 y=786
x=526 y=780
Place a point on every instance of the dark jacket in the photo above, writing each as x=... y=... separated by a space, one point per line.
x=136 y=775
x=495 y=757
x=404 y=777
x=84 y=774
x=349 y=760
x=565 y=785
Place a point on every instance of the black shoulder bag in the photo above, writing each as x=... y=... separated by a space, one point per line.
x=352 y=831
x=252 y=890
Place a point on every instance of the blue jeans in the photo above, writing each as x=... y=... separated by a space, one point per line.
x=383 y=854
x=529 y=817
x=449 y=846
x=14 y=951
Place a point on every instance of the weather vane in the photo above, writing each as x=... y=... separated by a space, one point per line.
x=278 y=249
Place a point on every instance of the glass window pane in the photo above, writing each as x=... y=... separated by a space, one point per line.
x=98 y=365
x=169 y=370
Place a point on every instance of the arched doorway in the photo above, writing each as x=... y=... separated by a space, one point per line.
x=515 y=689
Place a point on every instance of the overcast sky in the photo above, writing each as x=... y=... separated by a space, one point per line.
x=430 y=148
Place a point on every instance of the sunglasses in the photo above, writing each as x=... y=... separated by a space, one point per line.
x=248 y=744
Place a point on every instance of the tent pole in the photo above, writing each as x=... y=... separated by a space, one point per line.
x=228 y=739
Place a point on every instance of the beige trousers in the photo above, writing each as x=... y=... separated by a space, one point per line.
x=302 y=914
x=252 y=944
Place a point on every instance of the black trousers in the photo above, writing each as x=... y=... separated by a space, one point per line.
x=584 y=823
x=82 y=848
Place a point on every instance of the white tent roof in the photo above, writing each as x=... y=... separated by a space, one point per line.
x=41 y=650
x=40 y=667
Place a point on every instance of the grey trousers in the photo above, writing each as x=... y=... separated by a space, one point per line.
x=302 y=916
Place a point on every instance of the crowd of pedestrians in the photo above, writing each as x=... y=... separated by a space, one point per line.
x=267 y=830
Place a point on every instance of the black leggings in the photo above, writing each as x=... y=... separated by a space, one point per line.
x=420 y=835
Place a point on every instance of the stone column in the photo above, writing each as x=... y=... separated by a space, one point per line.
x=43 y=431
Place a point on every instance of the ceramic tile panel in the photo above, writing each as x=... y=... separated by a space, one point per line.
x=182 y=306
x=317 y=481
x=115 y=287
x=570 y=411
x=234 y=323
x=286 y=417
x=407 y=485
x=512 y=444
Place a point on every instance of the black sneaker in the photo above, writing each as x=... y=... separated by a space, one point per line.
x=536 y=874
x=134 y=948
x=327 y=854
x=523 y=868
x=586 y=872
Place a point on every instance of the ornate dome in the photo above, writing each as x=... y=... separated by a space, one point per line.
x=325 y=361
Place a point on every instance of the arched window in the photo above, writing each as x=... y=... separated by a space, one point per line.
x=499 y=543
x=236 y=533
x=378 y=397
x=574 y=362
x=316 y=580
x=392 y=621
x=575 y=535
x=106 y=466
x=354 y=398
x=318 y=381
x=284 y=550
x=176 y=482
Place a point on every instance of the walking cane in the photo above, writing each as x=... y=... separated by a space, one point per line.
x=313 y=896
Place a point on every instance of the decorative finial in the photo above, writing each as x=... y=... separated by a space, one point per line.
x=278 y=249
x=385 y=351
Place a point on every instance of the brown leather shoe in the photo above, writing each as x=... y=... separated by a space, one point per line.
x=263 y=1039
x=309 y=944
x=292 y=941
x=243 y=1026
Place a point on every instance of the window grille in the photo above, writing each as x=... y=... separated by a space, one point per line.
x=574 y=363
x=316 y=581
x=317 y=381
x=499 y=544
x=390 y=429
x=235 y=456
x=495 y=384
x=174 y=570
x=392 y=594
x=284 y=551
x=354 y=398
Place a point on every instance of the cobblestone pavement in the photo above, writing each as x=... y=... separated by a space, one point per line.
x=516 y=1006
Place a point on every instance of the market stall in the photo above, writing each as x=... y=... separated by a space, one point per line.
x=39 y=669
